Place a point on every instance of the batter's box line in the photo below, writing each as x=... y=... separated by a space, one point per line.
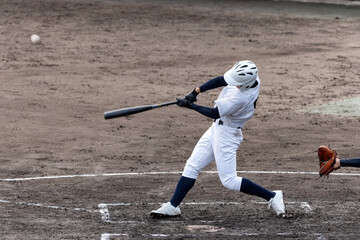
x=107 y=236
x=105 y=213
x=49 y=206
x=166 y=173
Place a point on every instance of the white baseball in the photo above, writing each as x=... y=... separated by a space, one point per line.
x=35 y=39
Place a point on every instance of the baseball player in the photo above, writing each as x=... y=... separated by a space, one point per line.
x=233 y=108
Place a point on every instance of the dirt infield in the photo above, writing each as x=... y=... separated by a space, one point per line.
x=66 y=173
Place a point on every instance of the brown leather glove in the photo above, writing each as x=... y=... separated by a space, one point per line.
x=327 y=158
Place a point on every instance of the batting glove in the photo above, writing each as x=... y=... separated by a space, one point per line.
x=183 y=102
x=192 y=96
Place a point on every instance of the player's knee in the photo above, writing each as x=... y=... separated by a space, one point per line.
x=232 y=183
x=190 y=172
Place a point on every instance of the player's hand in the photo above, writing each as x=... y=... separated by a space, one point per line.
x=337 y=163
x=183 y=102
x=192 y=96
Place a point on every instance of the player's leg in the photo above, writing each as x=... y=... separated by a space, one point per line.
x=249 y=187
x=201 y=156
x=226 y=142
x=275 y=198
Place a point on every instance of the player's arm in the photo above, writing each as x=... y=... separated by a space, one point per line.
x=206 y=111
x=190 y=98
x=355 y=162
x=211 y=84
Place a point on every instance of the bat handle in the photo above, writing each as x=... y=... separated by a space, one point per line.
x=166 y=104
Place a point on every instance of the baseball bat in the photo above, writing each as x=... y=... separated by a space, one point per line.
x=133 y=110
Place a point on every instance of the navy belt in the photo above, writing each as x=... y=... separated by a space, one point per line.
x=222 y=123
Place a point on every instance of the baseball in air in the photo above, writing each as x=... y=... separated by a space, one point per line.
x=35 y=39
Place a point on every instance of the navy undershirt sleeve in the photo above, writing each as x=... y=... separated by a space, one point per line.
x=213 y=83
x=206 y=111
x=355 y=162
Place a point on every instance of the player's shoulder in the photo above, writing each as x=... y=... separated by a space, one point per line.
x=240 y=96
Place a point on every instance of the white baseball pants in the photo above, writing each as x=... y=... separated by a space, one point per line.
x=219 y=142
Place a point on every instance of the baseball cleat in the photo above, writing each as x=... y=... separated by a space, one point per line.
x=166 y=210
x=277 y=203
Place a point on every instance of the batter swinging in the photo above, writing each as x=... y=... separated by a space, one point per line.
x=233 y=108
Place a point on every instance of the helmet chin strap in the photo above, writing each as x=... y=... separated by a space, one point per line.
x=255 y=84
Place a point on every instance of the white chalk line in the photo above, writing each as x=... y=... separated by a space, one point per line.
x=105 y=216
x=105 y=213
x=50 y=206
x=107 y=236
x=166 y=173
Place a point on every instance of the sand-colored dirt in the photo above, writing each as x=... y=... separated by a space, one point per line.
x=97 y=56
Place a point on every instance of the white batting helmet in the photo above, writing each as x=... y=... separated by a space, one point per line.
x=243 y=73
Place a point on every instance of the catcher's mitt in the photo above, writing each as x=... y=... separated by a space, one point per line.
x=327 y=159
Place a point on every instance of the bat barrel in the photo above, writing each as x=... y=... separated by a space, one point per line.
x=110 y=114
x=133 y=110
x=114 y=114
x=125 y=112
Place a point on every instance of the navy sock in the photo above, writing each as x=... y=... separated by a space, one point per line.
x=252 y=188
x=183 y=187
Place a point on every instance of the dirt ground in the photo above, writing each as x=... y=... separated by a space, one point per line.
x=57 y=153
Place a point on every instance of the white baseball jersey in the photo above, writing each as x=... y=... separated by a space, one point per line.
x=221 y=141
x=237 y=106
